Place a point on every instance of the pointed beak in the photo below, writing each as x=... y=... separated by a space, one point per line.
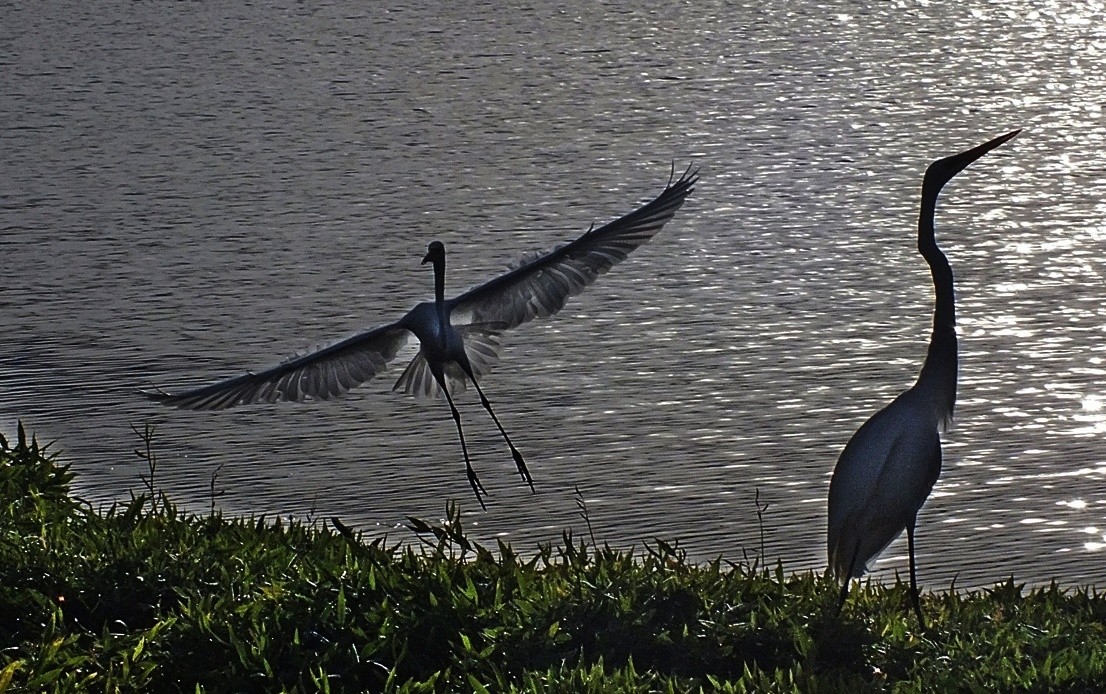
x=944 y=169
x=425 y=259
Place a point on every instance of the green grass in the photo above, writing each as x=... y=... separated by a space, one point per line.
x=143 y=597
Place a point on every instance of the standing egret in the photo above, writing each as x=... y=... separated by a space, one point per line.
x=459 y=338
x=890 y=464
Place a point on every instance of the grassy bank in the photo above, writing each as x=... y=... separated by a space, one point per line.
x=143 y=597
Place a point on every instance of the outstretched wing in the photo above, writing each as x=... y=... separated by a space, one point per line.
x=324 y=374
x=540 y=287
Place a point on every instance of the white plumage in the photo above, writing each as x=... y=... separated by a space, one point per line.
x=891 y=463
x=459 y=338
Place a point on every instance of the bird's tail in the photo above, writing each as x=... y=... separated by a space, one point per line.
x=482 y=344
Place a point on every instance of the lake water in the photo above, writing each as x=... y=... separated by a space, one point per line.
x=191 y=189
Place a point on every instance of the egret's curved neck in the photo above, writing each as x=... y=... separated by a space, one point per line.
x=944 y=314
x=938 y=377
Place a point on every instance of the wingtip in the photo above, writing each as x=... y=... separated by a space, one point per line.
x=163 y=397
x=689 y=177
x=155 y=394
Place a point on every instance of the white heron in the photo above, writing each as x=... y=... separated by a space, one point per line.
x=891 y=463
x=459 y=338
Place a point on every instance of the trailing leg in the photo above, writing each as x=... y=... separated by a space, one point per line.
x=474 y=481
x=519 y=462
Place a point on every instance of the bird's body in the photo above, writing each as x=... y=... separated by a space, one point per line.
x=889 y=466
x=898 y=460
x=459 y=338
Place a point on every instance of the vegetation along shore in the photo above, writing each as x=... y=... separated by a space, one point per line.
x=145 y=597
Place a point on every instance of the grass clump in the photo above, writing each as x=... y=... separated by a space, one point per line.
x=143 y=597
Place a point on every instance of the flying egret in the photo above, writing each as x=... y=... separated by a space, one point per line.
x=459 y=338
x=891 y=463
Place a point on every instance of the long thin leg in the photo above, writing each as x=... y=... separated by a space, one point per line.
x=474 y=481
x=519 y=462
x=913 y=575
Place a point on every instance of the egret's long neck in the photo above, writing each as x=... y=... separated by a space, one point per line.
x=938 y=378
x=439 y=286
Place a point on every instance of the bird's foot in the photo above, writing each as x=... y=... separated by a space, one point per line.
x=522 y=469
x=477 y=487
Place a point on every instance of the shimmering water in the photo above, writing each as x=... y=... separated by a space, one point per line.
x=192 y=189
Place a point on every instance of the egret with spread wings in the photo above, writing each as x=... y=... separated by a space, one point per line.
x=459 y=338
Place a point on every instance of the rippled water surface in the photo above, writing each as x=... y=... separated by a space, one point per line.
x=193 y=189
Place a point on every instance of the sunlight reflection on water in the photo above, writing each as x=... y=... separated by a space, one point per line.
x=185 y=203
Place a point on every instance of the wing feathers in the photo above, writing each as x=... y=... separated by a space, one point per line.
x=540 y=287
x=537 y=289
x=322 y=375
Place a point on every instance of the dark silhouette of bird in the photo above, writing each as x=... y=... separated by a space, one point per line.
x=459 y=338
x=891 y=463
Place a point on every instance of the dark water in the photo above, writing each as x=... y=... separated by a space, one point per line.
x=192 y=189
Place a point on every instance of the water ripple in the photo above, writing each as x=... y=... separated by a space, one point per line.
x=195 y=191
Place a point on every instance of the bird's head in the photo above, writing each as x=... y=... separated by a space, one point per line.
x=941 y=171
x=434 y=251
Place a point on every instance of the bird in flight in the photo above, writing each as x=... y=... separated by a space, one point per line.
x=459 y=338
x=891 y=463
